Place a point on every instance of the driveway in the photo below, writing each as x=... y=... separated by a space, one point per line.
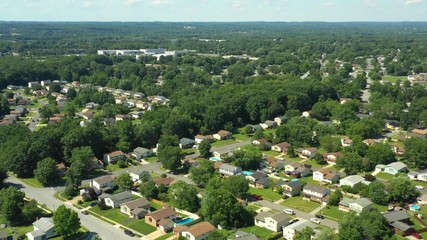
x=46 y=196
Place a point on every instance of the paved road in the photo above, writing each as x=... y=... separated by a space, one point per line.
x=46 y=196
x=299 y=214
x=35 y=119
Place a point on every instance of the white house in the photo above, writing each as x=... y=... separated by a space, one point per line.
x=113 y=157
x=140 y=153
x=325 y=175
x=198 y=231
x=33 y=84
x=138 y=174
x=115 y=200
x=290 y=231
x=356 y=205
x=272 y=221
x=315 y=193
x=101 y=183
x=420 y=175
x=229 y=170
x=392 y=168
x=280 y=120
x=222 y=135
x=43 y=229
x=352 y=180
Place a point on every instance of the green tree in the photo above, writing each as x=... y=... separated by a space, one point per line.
x=170 y=157
x=48 y=110
x=124 y=181
x=66 y=221
x=377 y=192
x=258 y=134
x=305 y=234
x=415 y=151
x=326 y=234
x=238 y=185
x=380 y=154
x=202 y=173
x=247 y=159
x=11 y=204
x=46 y=172
x=216 y=235
x=149 y=190
x=335 y=198
x=205 y=148
x=402 y=189
x=184 y=196
x=31 y=211
x=351 y=161
x=330 y=143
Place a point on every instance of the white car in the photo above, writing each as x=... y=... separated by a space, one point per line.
x=419 y=187
x=315 y=220
x=289 y=211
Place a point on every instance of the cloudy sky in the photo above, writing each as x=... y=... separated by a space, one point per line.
x=213 y=10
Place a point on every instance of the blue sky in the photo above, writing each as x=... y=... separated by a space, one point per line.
x=213 y=10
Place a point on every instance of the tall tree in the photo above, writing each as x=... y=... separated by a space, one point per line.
x=124 y=181
x=66 y=221
x=11 y=203
x=184 y=196
x=205 y=148
x=415 y=151
x=202 y=173
x=46 y=172
x=170 y=157
x=149 y=190
x=238 y=185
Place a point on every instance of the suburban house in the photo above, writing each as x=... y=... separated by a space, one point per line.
x=369 y=141
x=273 y=163
x=136 y=209
x=113 y=157
x=102 y=183
x=229 y=170
x=301 y=172
x=346 y=141
x=262 y=142
x=400 y=222
x=398 y=149
x=222 y=135
x=141 y=153
x=356 y=205
x=138 y=95
x=272 y=221
x=268 y=124
x=352 y=180
x=95 y=163
x=91 y=105
x=292 y=166
x=291 y=189
x=422 y=133
x=186 y=143
x=308 y=153
x=316 y=193
x=121 y=117
x=43 y=229
x=132 y=103
x=115 y=200
x=420 y=175
x=258 y=180
x=331 y=158
x=326 y=175
x=128 y=93
x=199 y=138
x=137 y=174
x=392 y=168
x=154 y=218
x=290 y=231
x=198 y=231
x=88 y=115
x=142 y=105
x=281 y=147
x=136 y=114
x=61 y=169
x=280 y=120
x=166 y=225
x=240 y=235
x=222 y=153
x=164 y=181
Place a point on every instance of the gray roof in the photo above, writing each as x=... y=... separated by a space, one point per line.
x=186 y=141
x=363 y=202
x=401 y=226
x=262 y=215
x=315 y=188
x=37 y=233
x=138 y=171
x=138 y=203
x=293 y=185
x=354 y=179
x=264 y=181
x=397 y=165
x=104 y=179
x=228 y=167
x=240 y=235
x=120 y=196
x=258 y=175
x=346 y=201
x=280 y=217
x=44 y=224
x=395 y=216
x=300 y=225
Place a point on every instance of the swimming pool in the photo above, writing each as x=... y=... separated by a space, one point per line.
x=184 y=221
x=415 y=207
x=215 y=159
x=247 y=173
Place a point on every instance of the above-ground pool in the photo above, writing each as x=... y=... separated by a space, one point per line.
x=415 y=207
x=184 y=221
x=215 y=159
x=294 y=180
x=247 y=173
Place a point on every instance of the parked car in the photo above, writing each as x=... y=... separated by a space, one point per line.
x=293 y=220
x=85 y=212
x=93 y=204
x=315 y=220
x=417 y=235
x=129 y=233
x=289 y=211
x=257 y=197
x=419 y=187
x=319 y=216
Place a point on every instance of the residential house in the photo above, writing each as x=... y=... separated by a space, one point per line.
x=290 y=231
x=346 y=141
x=33 y=84
x=306 y=114
x=88 y=115
x=355 y=205
x=141 y=153
x=165 y=213
x=392 y=168
x=280 y=120
x=120 y=100
x=113 y=157
x=115 y=200
x=272 y=221
x=344 y=100
x=119 y=92
x=292 y=166
x=166 y=225
x=197 y=231
x=102 y=183
x=281 y=147
x=398 y=149
x=400 y=222
x=164 y=181
x=273 y=163
x=222 y=153
x=142 y=105
x=422 y=133
x=420 y=175
x=137 y=174
x=131 y=103
x=121 y=117
x=268 y=124
x=138 y=95
x=391 y=124
x=316 y=193
x=301 y=172
x=158 y=99
x=128 y=93
x=95 y=163
x=369 y=141
x=61 y=169
x=258 y=180
x=308 y=152
x=240 y=235
x=222 y=135
x=291 y=189
x=199 y=138
x=44 y=228
x=331 y=158
x=229 y=170
x=326 y=175
x=136 y=209
x=91 y=105
x=264 y=143
x=186 y=143
x=353 y=180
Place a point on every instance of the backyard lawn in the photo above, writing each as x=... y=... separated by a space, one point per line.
x=384 y=176
x=333 y=213
x=223 y=143
x=113 y=167
x=32 y=182
x=299 y=204
x=258 y=231
x=241 y=137
x=393 y=79
x=155 y=206
x=166 y=236
x=266 y=194
x=141 y=226
x=151 y=159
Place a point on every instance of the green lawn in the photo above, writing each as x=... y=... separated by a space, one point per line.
x=266 y=194
x=19 y=230
x=393 y=79
x=32 y=182
x=269 y=131
x=381 y=208
x=113 y=214
x=189 y=151
x=151 y=159
x=271 y=153
x=141 y=226
x=114 y=167
x=223 y=143
x=299 y=204
x=166 y=236
x=384 y=176
x=155 y=206
x=333 y=213
x=309 y=180
x=258 y=231
x=241 y=137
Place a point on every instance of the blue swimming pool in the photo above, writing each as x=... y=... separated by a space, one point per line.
x=415 y=207
x=247 y=173
x=215 y=159
x=184 y=221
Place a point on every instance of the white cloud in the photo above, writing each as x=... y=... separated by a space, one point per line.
x=412 y=2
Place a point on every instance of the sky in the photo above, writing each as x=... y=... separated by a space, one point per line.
x=213 y=10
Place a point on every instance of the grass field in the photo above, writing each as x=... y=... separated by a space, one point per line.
x=141 y=226
x=155 y=206
x=384 y=176
x=393 y=79
x=114 y=167
x=151 y=159
x=332 y=212
x=32 y=182
x=299 y=204
x=258 y=231
x=164 y=237
x=241 y=137
x=266 y=194
x=223 y=143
